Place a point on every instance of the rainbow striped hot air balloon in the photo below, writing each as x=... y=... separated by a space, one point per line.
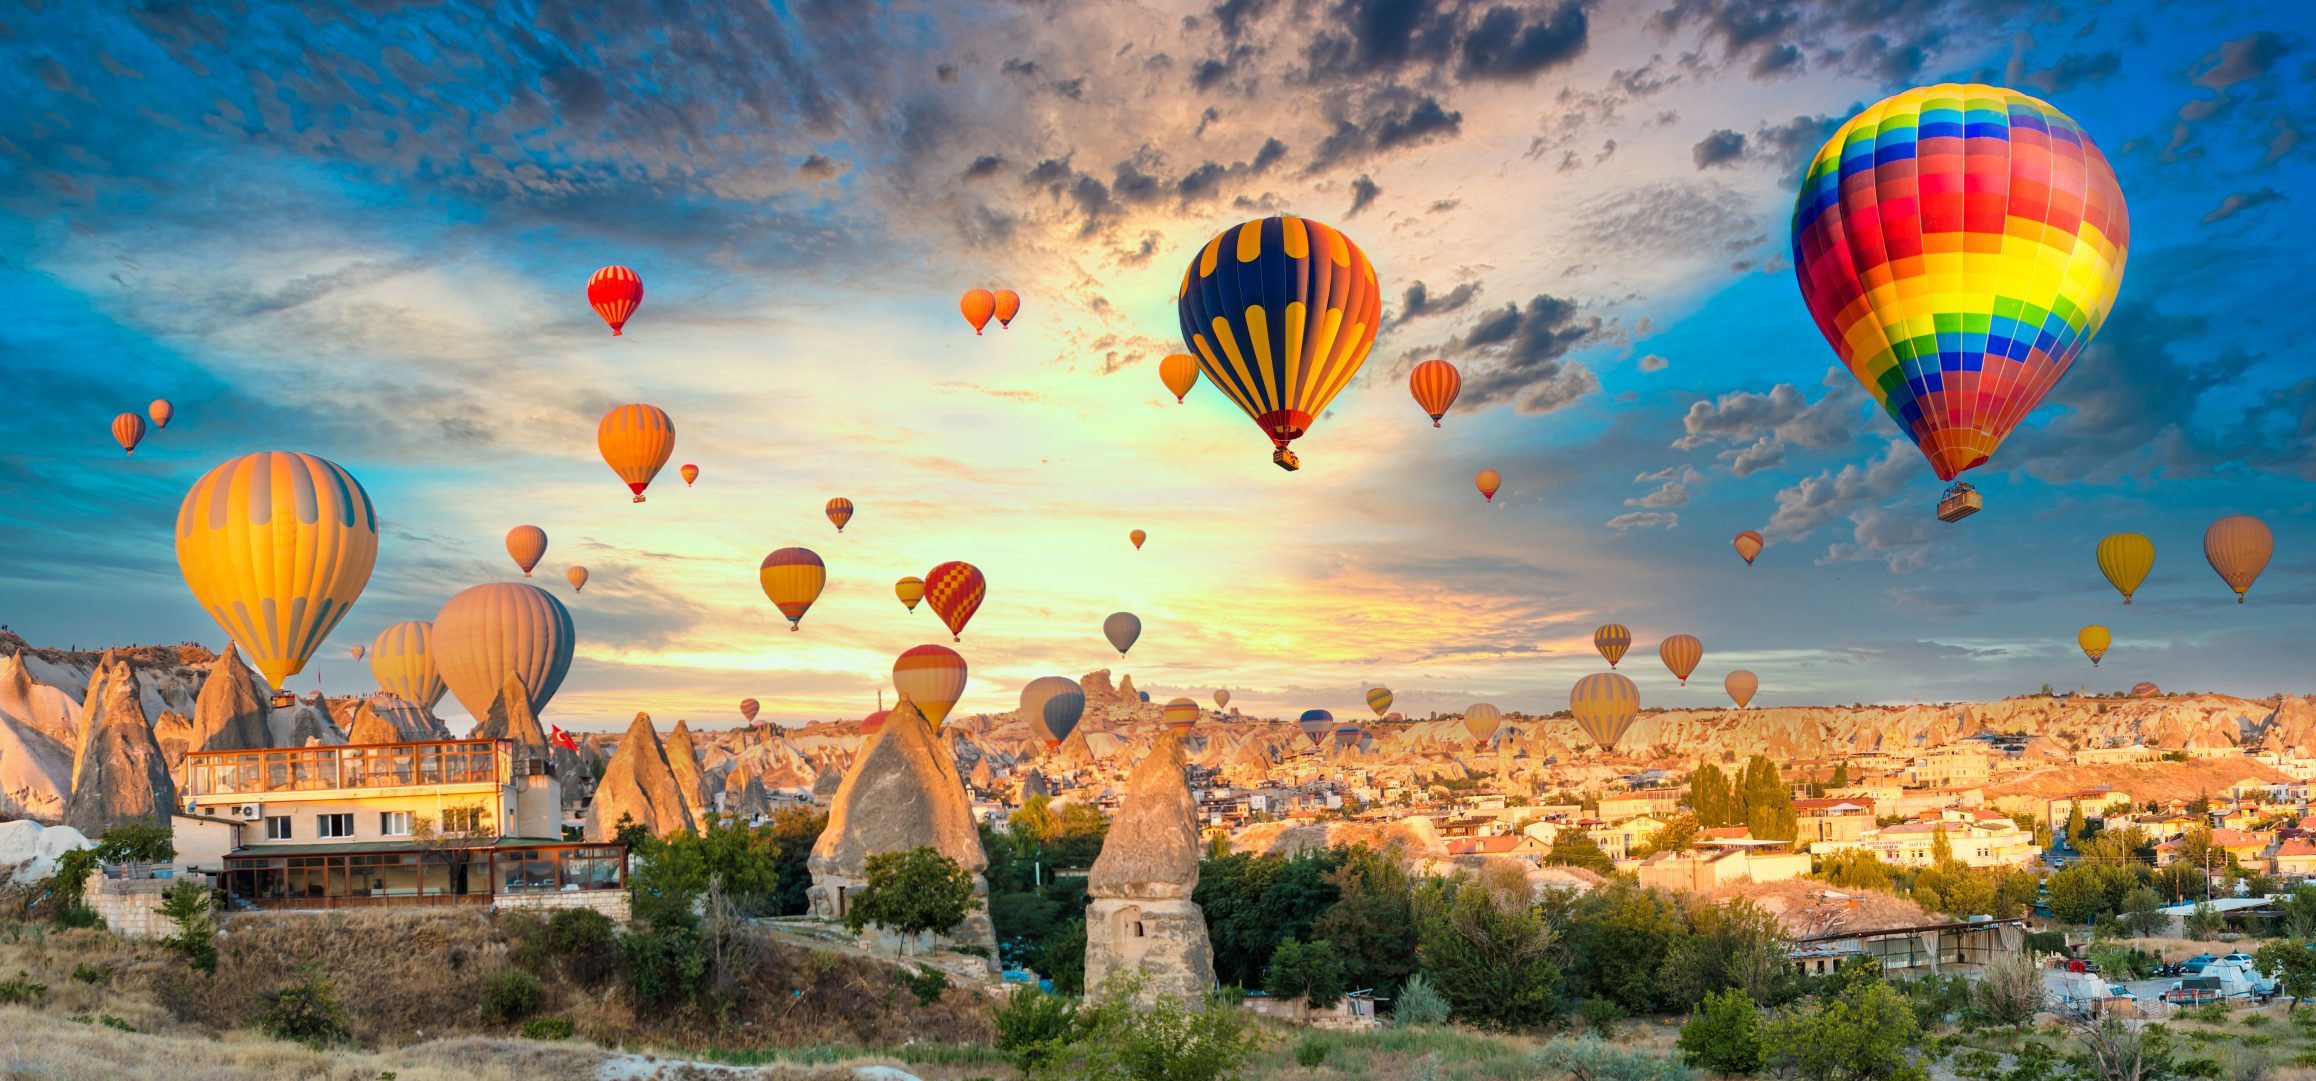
x=1958 y=246
x=276 y=546
x=933 y=677
x=792 y=579
x=1605 y=704
x=1281 y=313
x=1379 y=700
x=402 y=661
x=1612 y=639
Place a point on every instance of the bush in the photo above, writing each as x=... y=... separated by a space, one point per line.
x=2046 y=942
x=1724 y=1035
x=586 y=942
x=1421 y=1004
x=663 y=965
x=1033 y=1027
x=1306 y=970
x=305 y=1010
x=510 y=995
x=78 y=917
x=21 y=991
x=1310 y=1053
x=1860 y=1030
x=1601 y=1015
x=926 y=983
x=1589 y=1058
x=137 y=842
x=547 y=1028
x=93 y=975
x=1168 y=1040
x=186 y=904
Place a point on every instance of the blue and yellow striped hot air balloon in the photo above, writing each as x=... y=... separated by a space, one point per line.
x=1280 y=313
x=277 y=546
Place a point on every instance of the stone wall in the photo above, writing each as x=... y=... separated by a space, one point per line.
x=131 y=908
x=612 y=903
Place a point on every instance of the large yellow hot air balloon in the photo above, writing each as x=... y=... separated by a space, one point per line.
x=1281 y=313
x=277 y=546
x=1748 y=545
x=910 y=590
x=1741 y=684
x=635 y=441
x=402 y=661
x=1482 y=720
x=1179 y=371
x=1181 y=715
x=489 y=632
x=2094 y=639
x=1379 y=700
x=792 y=579
x=2238 y=547
x=933 y=677
x=528 y=544
x=1612 y=639
x=1605 y=704
x=2125 y=558
x=1681 y=652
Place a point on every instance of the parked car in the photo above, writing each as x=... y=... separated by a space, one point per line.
x=2116 y=990
x=2193 y=991
x=2193 y=966
x=2238 y=958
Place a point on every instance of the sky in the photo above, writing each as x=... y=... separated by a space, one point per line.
x=364 y=231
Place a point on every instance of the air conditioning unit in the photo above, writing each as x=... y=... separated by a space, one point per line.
x=250 y=812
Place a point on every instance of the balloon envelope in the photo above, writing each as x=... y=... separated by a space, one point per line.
x=874 y=722
x=1612 y=639
x=1348 y=735
x=690 y=473
x=277 y=546
x=128 y=431
x=1748 y=545
x=615 y=292
x=357 y=651
x=1052 y=706
x=1482 y=720
x=1137 y=537
x=1379 y=700
x=402 y=661
x=1605 y=704
x=577 y=576
x=2094 y=639
x=1741 y=684
x=2238 y=547
x=1316 y=723
x=489 y=632
x=635 y=441
x=933 y=677
x=1221 y=698
x=749 y=708
x=1181 y=715
x=910 y=590
x=2125 y=558
x=1005 y=304
x=956 y=589
x=1958 y=246
x=839 y=511
x=1122 y=628
x=1179 y=371
x=528 y=544
x=1681 y=652
x=977 y=305
x=792 y=579
x=1435 y=384
x=1488 y=480
x=161 y=412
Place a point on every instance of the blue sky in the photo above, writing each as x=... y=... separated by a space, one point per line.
x=366 y=235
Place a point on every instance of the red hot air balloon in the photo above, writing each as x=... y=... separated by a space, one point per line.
x=1435 y=384
x=748 y=708
x=1007 y=304
x=690 y=473
x=955 y=589
x=615 y=291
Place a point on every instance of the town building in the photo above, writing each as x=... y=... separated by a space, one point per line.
x=1978 y=838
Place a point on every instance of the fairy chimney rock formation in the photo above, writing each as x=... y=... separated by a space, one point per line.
x=230 y=712
x=1142 y=918
x=119 y=775
x=370 y=727
x=684 y=757
x=903 y=793
x=511 y=719
x=638 y=785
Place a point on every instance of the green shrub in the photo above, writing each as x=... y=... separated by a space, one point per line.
x=510 y=995
x=305 y=1010
x=1724 y=1035
x=67 y=888
x=547 y=1028
x=78 y=916
x=21 y=991
x=2046 y=941
x=93 y=975
x=186 y=904
x=1033 y=1026
x=663 y=965
x=1589 y=1058
x=1310 y=1053
x=1168 y=1039
x=1601 y=1015
x=1421 y=1004
x=926 y=983
x=111 y=1022
x=581 y=932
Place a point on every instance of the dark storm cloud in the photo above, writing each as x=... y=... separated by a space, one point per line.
x=1519 y=355
x=2242 y=59
x=1419 y=302
x=1891 y=40
x=1363 y=192
x=985 y=166
x=2076 y=69
x=2241 y=201
x=1723 y=147
x=1381 y=37
x=1381 y=120
x=1505 y=45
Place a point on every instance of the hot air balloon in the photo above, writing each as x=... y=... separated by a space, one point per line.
x=1958 y=246
x=2125 y=558
x=1221 y=698
x=489 y=632
x=1379 y=700
x=357 y=651
x=402 y=661
x=1179 y=371
x=1122 y=628
x=1612 y=639
x=933 y=677
x=276 y=546
x=1137 y=537
x=874 y=722
x=792 y=579
x=910 y=590
x=1052 y=706
x=1482 y=720
x=128 y=431
x=528 y=544
x=839 y=511
x=1316 y=723
x=1280 y=313
x=1748 y=545
x=977 y=305
x=1488 y=480
x=1681 y=652
x=635 y=441
x=2094 y=639
x=1181 y=716
x=1741 y=684
x=615 y=292
x=1144 y=695
x=690 y=473
x=1435 y=384
x=2238 y=547
x=1348 y=735
x=577 y=576
x=956 y=589
x=1605 y=704
x=161 y=412
x=749 y=708
x=1006 y=304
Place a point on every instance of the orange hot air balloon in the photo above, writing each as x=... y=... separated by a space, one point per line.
x=1179 y=371
x=910 y=590
x=1007 y=304
x=615 y=292
x=1741 y=684
x=402 y=660
x=161 y=412
x=357 y=651
x=1488 y=481
x=1181 y=715
x=1748 y=544
x=635 y=441
x=749 y=708
x=1612 y=639
x=577 y=576
x=128 y=431
x=690 y=473
x=839 y=510
x=528 y=544
x=1137 y=537
x=1435 y=384
x=792 y=579
x=977 y=305
x=933 y=677
x=2238 y=547
x=1681 y=652
x=956 y=589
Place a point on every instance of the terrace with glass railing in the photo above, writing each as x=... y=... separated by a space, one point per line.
x=220 y=774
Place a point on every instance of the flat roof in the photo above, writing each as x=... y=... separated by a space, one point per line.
x=361 y=847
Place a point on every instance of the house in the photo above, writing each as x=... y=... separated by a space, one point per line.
x=1619 y=839
x=1947 y=769
x=1843 y=819
x=1938 y=947
x=2294 y=857
x=1653 y=802
x=1709 y=867
x=1978 y=838
x=1513 y=845
x=2245 y=847
x=437 y=822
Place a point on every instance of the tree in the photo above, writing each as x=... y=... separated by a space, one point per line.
x=1620 y=936
x=1724 y=1035
x=744 y=859
x=1863 y=1032
x=793 y=830
x=2077 y=829
x=1855 y=869
x=1766 y=803
x=1306 y=970
x=1253 y=903
x=1678 y=834
x=1709 y=795
x=2010 y=991
x=1572 y=847
x=1841 y=777
x=1372 y=923
x=186 y=905
x=1492 y=960
x=1419 y=1003
x=2292 y=963
x=456 y=843
x=912 y=893
x=1734 y=945
x=2298 y=913
x=2204 y=921
x=2139 y=912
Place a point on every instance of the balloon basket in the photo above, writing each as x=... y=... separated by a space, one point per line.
x=1285 y=459
x=1961 y=501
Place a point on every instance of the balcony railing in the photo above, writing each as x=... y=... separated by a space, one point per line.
x=215 y=774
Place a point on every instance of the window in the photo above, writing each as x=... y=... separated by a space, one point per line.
x=464 y=820
x=277 y=827
x=337 y=825
x=394 y=823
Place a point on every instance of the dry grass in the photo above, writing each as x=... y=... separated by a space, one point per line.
x=43 y=1044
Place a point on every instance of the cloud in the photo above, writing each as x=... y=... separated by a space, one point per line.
x=1419 y=302
x=1723 y=147
x=1363 y=192
x=2076 y=69
x=1817 y=501
x=1671 y=493
x=2238 y=202
x=1671 y=218
x=1518 y=355
x=1654 y=363
x=1504 y=45
x=1650 y=519
x=1773 y=421
x=1381 y=120
x=2241 y=59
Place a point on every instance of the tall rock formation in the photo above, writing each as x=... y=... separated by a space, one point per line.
x=903 y=793
x=119 y=774
x=37 y=705
x=683 y=756
x=510 y=718
x=1142 y=918
x=35 y=771
x=230 y=712
x=638 y=784
x=370 y=726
